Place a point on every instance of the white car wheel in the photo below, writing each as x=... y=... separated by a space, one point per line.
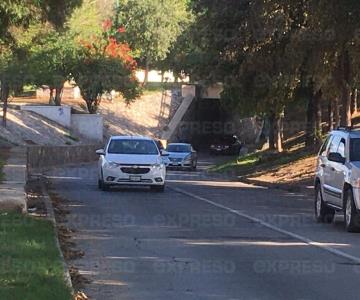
x=351 y=216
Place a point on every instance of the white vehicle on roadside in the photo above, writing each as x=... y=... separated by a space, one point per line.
x=131 y=160
x=337 y=178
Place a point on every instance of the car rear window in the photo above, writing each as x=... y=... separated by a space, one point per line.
x=140 y=147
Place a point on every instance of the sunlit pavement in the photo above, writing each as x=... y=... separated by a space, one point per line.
x=205 y=238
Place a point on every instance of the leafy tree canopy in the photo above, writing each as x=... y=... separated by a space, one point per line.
x=104 y=63
x=152 y=27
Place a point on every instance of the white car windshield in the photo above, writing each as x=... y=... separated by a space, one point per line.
x=140 y=147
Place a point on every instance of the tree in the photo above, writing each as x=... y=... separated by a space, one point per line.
x=12 y=75
x=104 y=64
x=18 y=15
x=86 y=20
x=312 y=46
x=245 y=45
x=334 y=24
x=152 y=27
x=51 y=62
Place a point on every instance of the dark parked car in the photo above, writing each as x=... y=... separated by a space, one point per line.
x=225 y=145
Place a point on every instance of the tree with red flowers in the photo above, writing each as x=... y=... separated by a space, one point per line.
x=104 y=64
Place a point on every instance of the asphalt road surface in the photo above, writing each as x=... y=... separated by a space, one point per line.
x=205 y=238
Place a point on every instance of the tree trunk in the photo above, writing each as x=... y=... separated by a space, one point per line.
x=313 y=132
x=278 y=133
x=354 y=97
x=4 y=98
x=58 y=95
x=331 y=114
x=346 y=107
x=318 y=117
x=93 y=105
x=336 y=108
x=310 y=123
x=52 y=95
x=344 y=80
x=272 y=131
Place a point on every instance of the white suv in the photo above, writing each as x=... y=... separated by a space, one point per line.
x=131 y=160
x=337 y=180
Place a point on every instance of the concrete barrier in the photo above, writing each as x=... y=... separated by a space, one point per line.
x=89 y=126
x=42 y=157
x=58 y=114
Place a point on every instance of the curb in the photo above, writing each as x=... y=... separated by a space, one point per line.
x=51 y=217
x=299 y=189
x=270 y=185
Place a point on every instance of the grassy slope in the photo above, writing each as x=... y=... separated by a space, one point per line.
x=260 y=162
x=30 y=265
x=297 y=161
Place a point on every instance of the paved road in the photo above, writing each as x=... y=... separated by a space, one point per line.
x=205 y=239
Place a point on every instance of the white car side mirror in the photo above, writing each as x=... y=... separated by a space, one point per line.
x=164 y=153
x=100 y=152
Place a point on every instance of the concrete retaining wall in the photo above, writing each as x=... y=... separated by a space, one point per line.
x=58 y=114
x=89 y=126
x=42 y=157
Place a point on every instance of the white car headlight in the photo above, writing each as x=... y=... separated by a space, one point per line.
x=158 y=166
x=111 y=165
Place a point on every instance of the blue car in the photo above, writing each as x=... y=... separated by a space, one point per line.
x=181 y=155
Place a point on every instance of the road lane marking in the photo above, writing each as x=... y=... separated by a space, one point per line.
x=306 y=240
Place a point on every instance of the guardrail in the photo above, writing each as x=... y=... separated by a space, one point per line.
x=42 y=157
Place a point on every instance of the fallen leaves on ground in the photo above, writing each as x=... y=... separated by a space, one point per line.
x=80 y=296
x=78 y=280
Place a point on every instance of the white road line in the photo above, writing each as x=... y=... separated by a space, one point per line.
x=272 y=227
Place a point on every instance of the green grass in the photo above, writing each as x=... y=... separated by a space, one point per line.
x=245 y=161
x=260 y=161
x=30 y=265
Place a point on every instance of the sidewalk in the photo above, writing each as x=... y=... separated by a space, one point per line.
x=12 y=193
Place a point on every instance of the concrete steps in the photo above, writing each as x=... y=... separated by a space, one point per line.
x=188 y=93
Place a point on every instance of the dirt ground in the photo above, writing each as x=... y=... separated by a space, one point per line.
x=296 y=176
